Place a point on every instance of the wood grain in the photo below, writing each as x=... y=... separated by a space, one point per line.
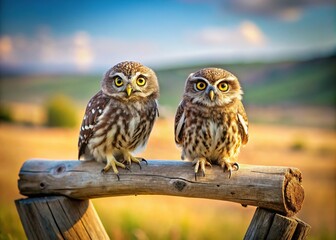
x=59 y=218
x=276 y=188
x=266 y=224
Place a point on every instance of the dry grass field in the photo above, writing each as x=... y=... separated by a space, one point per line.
x=311 y=150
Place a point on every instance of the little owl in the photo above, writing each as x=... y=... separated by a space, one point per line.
x=210 y=123
x=120 y=117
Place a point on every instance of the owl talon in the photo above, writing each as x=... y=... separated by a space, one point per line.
x=103 y=171
x=235 y=164
x=203 y=175
x=139 y=160
x=230 y=167
x=129 y=159
x=113 y=163
x=144 y=160
x=139 y=165
x=201 y=162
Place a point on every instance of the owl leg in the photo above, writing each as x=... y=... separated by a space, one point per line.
x=200 y=162
x=227 y=165
x=112 y=163
x=129 y=159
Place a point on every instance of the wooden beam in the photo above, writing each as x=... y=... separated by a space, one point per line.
x=266 y=224
x=276 y=188
x=59 y=218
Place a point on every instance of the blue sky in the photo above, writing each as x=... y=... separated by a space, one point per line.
x=90 y=35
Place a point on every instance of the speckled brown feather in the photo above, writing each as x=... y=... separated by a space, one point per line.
x=119 y=119
x=211 y=129
x=178 y=115
x=97 y=103
x=242 y=131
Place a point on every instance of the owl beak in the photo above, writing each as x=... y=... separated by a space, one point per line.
x=211 y=94
x=129 y=89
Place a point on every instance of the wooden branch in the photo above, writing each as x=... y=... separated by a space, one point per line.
x=59 y=218
x=276 y=188
x=266 y=224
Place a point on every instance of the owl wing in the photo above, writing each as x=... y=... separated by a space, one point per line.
x=242 y=123
x=157 y=108
x=179 y=123
x=94 y=109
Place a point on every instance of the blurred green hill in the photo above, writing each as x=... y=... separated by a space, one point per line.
x=309 y=83
x=303 y=83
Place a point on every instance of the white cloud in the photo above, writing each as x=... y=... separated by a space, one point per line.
x=252 y=33
x=285 y=10
x=247 y=33
x=79 y=50
x=83 y=53
x=111 y=50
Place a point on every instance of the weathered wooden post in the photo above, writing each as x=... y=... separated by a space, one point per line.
x=277 y=189
x=60 y=217
x=267 y=224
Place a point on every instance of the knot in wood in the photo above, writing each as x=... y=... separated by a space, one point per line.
x=179 y=185
x=42 y=185
x=59 y=169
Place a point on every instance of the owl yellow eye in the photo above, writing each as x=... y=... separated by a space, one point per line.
x=141 y=81
x=201 y=85
x=223 y=86
x=118 y=81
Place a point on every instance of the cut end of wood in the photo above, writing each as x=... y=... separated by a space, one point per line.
x=293 y=191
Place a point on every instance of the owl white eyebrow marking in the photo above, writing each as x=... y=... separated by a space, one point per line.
x=200 y=78
x=230 y=78
x=120 y=74
x=141 y=73
x=137 y=74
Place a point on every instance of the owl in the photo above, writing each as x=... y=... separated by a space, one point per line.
x=210 y=123
x=119 y=118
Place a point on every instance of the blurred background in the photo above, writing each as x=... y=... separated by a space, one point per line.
x=52 y=58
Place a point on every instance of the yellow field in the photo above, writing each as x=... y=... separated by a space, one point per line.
x=313 y=151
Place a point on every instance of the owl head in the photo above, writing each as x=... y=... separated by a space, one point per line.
x=212 y=87
x=130 y=81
